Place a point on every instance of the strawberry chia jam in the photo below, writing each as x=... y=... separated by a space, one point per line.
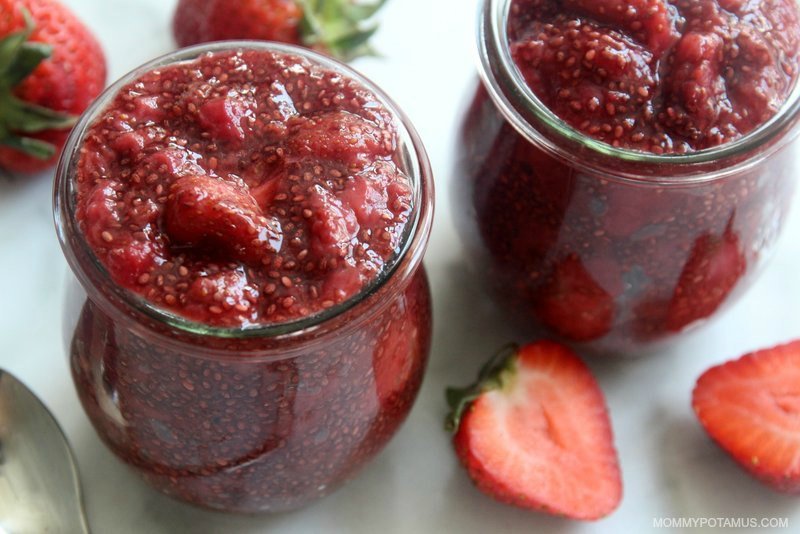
x=626 y=167
x=247 y=224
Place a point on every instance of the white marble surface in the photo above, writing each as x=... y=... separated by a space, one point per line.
x=669 y=467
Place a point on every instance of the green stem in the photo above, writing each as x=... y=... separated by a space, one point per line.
x=492 y=375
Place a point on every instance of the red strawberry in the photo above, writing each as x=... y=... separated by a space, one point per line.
x=332 y=26
x=573 y=304
x=751 y=408
x=534 y=432
x=712 y=271
x=51 y=68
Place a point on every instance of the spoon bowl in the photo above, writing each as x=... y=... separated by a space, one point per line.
x=39 y=484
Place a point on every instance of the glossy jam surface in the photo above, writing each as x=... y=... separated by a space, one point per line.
x=661 y=76
x=243 y=187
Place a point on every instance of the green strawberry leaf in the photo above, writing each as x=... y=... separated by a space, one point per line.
x=339 y=26
x=362 y=11
x=10 y=45
x=20 y=116
x=9 y=50
x=327 y=10
x=353 y=45
x=32 y=147
x=29 y=56
x=18 y=59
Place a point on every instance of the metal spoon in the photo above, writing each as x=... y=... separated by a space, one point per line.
x=39 y=486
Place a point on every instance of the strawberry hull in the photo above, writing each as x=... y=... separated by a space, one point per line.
x=250 y=320
x=65 y=81
x=596 y=216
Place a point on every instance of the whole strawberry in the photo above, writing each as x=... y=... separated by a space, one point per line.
x=534 y=432
x=51 y=68
x=331 y=26
x=751 y=408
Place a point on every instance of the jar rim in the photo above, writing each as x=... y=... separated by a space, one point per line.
x=403 y=263
x=496 y=66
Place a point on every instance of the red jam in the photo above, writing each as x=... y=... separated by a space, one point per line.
x=603 y=252
x=243 y=188
x=247 y=188
x=658 y=76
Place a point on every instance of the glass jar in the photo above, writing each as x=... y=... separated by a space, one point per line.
x=612 y=250
x=260 y=417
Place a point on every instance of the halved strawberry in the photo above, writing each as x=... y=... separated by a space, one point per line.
x=534 y=432
x=751 y=408
x=331 y=26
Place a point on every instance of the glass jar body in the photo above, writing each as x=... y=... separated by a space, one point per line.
x=258 y=416
x=612 y=264
x=260 y=424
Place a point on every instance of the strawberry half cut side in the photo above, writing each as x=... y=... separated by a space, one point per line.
x=19 y=57
x=534 y=432
x=751 y=408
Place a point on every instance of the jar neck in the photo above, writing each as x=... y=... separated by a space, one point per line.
x=528 y=115
x=140 y=315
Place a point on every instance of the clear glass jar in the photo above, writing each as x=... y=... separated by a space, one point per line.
x=256 y=418
x=613 y=250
